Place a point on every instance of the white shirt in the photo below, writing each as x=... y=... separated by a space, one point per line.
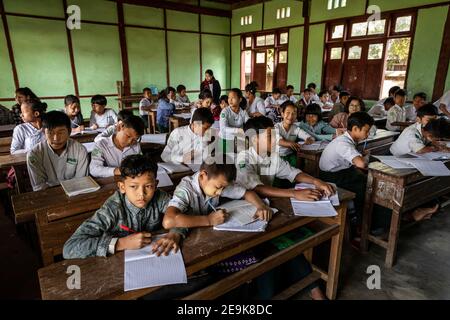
x=108 y=132
x=377 y=110
x=257 y=106
x=144 y=103
x=254 y=170
x=445 y=100
x=183 y=140
x=339 y=154
x=395 y=114
x=231 y=122
x=325 y=107
x=291 y=98
x=270 y=102
x=25 y=137
x=180 y=101
x=189 y=198
x=410 y=141
x=106 y=157
x=293 y=134
x=108 y=118
x=411 y=112
x=47 y=169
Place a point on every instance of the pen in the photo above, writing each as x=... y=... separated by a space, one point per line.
x=209 y=202
x=126 y=229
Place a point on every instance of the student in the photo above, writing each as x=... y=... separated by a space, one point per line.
x=109 y=152
x=108 y=132
x=419 y=100
x=182 y=99
x=232 y=118
x=73 y=111
x=391 y=94
x=288 y=134
x=306 y=98
x=255 y=105
x=223 y=102
x=325 y=103
x=190 y=144
x=145 y=105
x=313 y=87
x=137 y=205
x=315 y=126
x=380 y=110
x=335 y=94
x=101 y=117
x=416 y=138
x=165 y=109
x=443 y=104
x=272 y=104
x=28 y=134
x=290 y=94
x=22 y=94
x=397 y=113
x=340 y=105
x=58 y=157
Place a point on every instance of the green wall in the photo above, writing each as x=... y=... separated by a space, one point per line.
x=295 y=55
x=270 y=14
x=236 y=62
x=315 y=53
x=319 y=10
x=6 y=74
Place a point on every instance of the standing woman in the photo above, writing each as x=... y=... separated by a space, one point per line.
x=211 y=84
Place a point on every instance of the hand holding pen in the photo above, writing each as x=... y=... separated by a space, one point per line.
x=217 y=217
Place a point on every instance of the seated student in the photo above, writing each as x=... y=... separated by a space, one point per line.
x=306 y=98
x=182 y=99
x=73 y=110
x=339 y=106
x=397 y=113
x=22 y=94
x=101 y=117
x=325 y=103
x=108 y=132
x=335 y=94
x=272 y=104
x=207 y=102
x=109 y=152
x=58 y=157
x=145 y=105
x=232 y=118
x=416 y=138
x=255 y=105
x=28 y=134
x=223 y=102
x=165 y=109
x=313 y=87
x=137 y=205
x=190 y=144
x=315 y=126
x=391 y=94
x=419 y=100
x=443 y=104
x=380 y=110
x=288 y=133
x=290 y=94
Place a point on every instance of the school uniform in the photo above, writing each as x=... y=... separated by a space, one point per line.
x=320 y=131
x=292 y=98
x=182 y=101
x=183 y=140
x=445 y=100
x=395 y=114
x=294 y=133
x=106 y=157
x=25 y=137
x=411 y=140
x=271 y=111
x=48 y=169
x=231 y=122
x=164 y=111
x=377 y=110
x=108 y=132
x=305 y=103
x=144 y=103
x=411 y=113
x=256 y=106
x=108 y=118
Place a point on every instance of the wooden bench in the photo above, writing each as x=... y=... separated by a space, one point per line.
x=103 y=278
x=7 y=130
x=5 y=145
x=401 y=191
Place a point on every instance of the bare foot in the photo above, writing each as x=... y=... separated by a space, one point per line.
x=317 y=294
x=424 y=213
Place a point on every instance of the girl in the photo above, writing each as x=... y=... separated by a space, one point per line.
x=72 y=109
x=212 y=85
x=315 y=126
x=22 y=94
x=165 y=109
x=255 y=105
x=272 y=104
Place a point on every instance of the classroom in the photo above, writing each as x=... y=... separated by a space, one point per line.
x=224 y=150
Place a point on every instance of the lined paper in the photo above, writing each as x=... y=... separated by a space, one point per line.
x=163 y=179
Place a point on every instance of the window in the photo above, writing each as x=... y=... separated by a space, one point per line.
x=267 y=40
x=261 y=41
x=403 y=24
x=282 y=57
x=248 y=42
x=334 y=4
x=260 y=57
x=375 y=51
x=359 y=29
x=283 y=13
x=284 y=37
x=338 y=32
x=354 y=53
x=336 y=53
x=270 y=39
x=246 y=20
x=376 y=27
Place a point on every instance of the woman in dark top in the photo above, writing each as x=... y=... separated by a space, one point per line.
x=211 y=84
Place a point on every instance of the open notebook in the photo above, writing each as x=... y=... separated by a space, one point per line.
x=158 y=138
x=143 y=269
x=78 y=186
x=171 y=167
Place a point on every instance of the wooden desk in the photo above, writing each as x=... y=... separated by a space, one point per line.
x=103 y=278
x=12 y=160
x=7 y=130
x=5 y=145
x=85 y=137
x=401 y=191
x=402 y=125
x=175 y=122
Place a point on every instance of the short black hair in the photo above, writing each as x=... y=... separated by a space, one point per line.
x=276 y=91
x=223 y=98
x=136 y=123
x=290 y=87
x=180 y=88
x=54 y=119
x=238 y=92
x=359 y=119
x=389 y=101
x=170 y=89
x=257 y=124
x=147 y=89
x=307 y=90
x=251 y=87
x=314 y=109
x=427 y=110
x=400 y=92
x=205 y=94
x=136 y=165
x=210 y=72
x=337 y=88
x=99 y=99
x=27 y=92
x=361 y=103
x=286 y=104
x=421 y=95
x=344 y=94
x=71 y=99
x=214 y=169
x=312 y=85
x=124 y=114
x=439 y=128
x=322 y=93
x=393 y=90
x=204 y=115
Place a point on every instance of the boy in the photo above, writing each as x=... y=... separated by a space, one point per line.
x=380 y=110
x=340 y=105
x=182 y=99
x=137 y=205
x=290 y=94
x=415 y=139
x=419 y=100
x=324 y=101
x=397 y=113
x=145 y=105
x=443 y=104
x=313 y=87
x=122 y=115
x=109 y=152
x=57 y=158
x=391 y=94
x=101 y=117
x=189 y=144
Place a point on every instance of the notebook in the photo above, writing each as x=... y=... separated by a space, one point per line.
x=163 y=179
x=316 y=146
x=78 y=186
x=240 y=211
x=159 y=138
x=143 y=269
x=233 y=224
x=315 y=209
x=334 y=198
x=171 y=167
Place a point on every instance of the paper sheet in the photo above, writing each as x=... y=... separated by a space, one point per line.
x=78 y=186
x=436 y=155
x=429 y=168
x=185 y=116
x=313 y=209
x=159 y=138
x=171 y=167
x=334 y=198
x=316 y=146
x=393 y=162
x=231 y=225
x=240 y=211
x=164 y=179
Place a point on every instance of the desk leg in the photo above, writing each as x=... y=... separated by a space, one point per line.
x=393 y=238
x=335 y=254
x=367 y=213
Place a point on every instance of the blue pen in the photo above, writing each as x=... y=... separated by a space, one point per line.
x=209 y=202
